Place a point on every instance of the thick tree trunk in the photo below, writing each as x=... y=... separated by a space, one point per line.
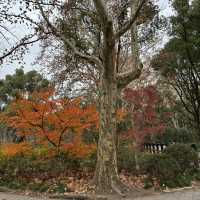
x=106 y=175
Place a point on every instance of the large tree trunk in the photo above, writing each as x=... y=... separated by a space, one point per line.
x=106 y=174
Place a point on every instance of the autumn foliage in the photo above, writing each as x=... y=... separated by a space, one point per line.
x=51 y=121
x=142 y=106
x=12 y=149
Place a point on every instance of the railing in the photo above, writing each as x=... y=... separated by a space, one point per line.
x=154 y=148
x=159 y=148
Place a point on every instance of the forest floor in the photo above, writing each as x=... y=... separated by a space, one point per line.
x=188 y=194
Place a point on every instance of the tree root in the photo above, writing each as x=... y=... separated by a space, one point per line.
x=119 y=188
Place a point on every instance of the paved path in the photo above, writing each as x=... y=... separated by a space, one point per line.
x=180 y=195
x=8 y=196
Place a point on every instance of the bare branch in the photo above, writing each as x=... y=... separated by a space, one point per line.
x=23 y=43
x=49 y=3
x=3 y=36
x=69 y=43
x=7 y=30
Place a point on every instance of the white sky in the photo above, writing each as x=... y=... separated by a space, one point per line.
x=34 y=50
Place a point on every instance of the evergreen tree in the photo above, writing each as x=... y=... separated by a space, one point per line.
x=179 y=61
x=19 y=82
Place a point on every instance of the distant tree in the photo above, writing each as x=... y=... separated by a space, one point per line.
x=10 y=89
x=13 y=85
x=179 y=61
x=144 y=113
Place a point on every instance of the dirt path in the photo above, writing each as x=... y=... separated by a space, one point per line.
x=193 y=194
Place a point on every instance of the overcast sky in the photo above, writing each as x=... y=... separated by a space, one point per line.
x=34 y=50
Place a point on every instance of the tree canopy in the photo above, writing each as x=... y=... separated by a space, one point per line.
x=19 y=82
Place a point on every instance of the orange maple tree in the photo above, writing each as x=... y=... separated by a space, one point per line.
x=50 y=120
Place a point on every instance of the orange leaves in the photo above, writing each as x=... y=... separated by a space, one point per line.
x=121 y=114
x=10 y=150
x=79 y=149
x=50 y=120
x=55 y=122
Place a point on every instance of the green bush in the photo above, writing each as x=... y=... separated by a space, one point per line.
x=160 y=166
x=27 y=165
x=175 y=167
x=38 y=187
x=148 y=183
x=20 y=171
x=181 y=135
x=89 y=163
x=184 y=155
x=183 y=180
x=126 y=157
x=196 y=175
x=16 y=184
x=179 y=181
x=59 y=188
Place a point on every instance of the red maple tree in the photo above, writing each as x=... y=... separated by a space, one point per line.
x=142 y=106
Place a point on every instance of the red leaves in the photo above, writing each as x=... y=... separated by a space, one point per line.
x=143 y=104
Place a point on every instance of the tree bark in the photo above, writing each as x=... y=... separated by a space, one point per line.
x=106 y=174
x=106 y=170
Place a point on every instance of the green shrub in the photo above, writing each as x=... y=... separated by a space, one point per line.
x=59 y=188
x=89 y=163
x=36 y=170
x=16 y=185
x=181 y=135
x=39 y=152
x=160 y=166
x=183 y=180
x=126 y=157
x=196 y=175
x=176 y=167
x=29 y=165
x=184 y=155
x=38 y=187
x=148 y=183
